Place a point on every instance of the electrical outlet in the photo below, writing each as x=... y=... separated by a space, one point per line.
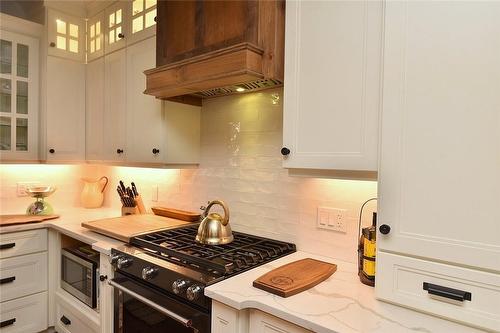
x=22 y=186
x=154 y=193
x=332 y=219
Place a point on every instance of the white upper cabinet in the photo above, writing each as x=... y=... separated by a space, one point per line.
x=333 y=53
x=145 y=119
x=114 y=119
x=439 y=189
x=95 y=37
x=94 y=105
x=19 y=85
x=117 y=21
x=65 y=110
x=66 y=36
x=142 y=21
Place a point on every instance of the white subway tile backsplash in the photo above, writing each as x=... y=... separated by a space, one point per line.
x=241 y=136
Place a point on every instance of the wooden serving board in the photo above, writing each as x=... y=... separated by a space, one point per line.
x=295 y=277
x=125 y=227
x=24 y=218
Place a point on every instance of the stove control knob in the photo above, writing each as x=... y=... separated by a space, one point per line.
x=149 y=272
x=124 y=262
x=179 y=286
x=114 y=259
x=194 y=292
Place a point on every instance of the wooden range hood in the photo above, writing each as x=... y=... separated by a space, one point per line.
x=211 y=48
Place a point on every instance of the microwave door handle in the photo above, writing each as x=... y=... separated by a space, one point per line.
x=166 y=312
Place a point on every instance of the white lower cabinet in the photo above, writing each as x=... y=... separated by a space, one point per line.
x=69 y=318
x=226 y=319
x=24 y=315
x=261 y=322
x=23 y=275
x=23 y=242
x=431 y=287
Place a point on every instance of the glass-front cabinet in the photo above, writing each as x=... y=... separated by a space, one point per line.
x=18 y=96
x=66 y=36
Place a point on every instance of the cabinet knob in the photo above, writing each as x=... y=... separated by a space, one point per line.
x=156 y=151
x=52 y=44
x=103 y=278
x=384 y=229
x=52 y=150
x=285 y=151
x=155 y=19
x=120 y=35
x=119 y=151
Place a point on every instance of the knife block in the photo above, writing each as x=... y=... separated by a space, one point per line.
x=129 y=210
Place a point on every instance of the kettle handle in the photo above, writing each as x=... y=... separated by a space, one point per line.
x=225 y=220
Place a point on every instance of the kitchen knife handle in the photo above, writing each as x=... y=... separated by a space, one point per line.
x=7 y=280
x=7 y=246
x=454 y=294
x=6 y=323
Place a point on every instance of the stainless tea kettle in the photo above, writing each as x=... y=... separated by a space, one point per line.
x=215 y=229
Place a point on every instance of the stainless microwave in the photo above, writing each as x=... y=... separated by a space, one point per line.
x=80 y=273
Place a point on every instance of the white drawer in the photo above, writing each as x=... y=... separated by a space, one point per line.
x=23 y=275
x=69 y=321
x=27 y=314
x=401 y=280
x=23 y=242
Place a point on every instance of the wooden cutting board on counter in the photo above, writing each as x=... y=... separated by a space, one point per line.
x=23 y=218
x=125 y=227
x=295 y=277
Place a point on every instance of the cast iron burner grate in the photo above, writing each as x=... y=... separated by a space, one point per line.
x=244 y=252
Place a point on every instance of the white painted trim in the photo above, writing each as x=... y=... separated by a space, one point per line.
x=20 y=26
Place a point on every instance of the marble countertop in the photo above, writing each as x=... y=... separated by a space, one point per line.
x=69 y=223
x=340 y=304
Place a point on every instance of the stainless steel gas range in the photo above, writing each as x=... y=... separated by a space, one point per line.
x=160 y=277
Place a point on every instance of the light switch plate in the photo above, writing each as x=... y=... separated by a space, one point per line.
x=332 y=219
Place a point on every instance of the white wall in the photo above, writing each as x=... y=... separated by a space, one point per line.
x=241 y=164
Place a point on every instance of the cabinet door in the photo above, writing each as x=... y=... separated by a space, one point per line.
x=65 y=109
x=332 y=86
x=19 y=73
x=115 y=107
x=142 y=24
x=66 y=36
x=95 y=37
x=145 y=118
x=264 y=323
x=439 y=187
x=116 y=18
x=94 y=109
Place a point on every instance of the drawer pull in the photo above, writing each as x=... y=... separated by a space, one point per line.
x=7 y=280
x=65 y=320
x=7 y=246
x=7 y=322
x=454 y=294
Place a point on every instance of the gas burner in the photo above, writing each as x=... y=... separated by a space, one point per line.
x=245 y=252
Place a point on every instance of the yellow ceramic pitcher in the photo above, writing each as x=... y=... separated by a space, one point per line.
x=93 y=192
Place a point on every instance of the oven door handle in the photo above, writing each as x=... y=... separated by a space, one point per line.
x=166 y=312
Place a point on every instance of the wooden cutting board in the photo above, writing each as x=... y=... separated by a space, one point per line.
x=295 y=277
x=23 y=218
x=125 y=227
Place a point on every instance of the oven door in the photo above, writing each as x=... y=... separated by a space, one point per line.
x=142 y=309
